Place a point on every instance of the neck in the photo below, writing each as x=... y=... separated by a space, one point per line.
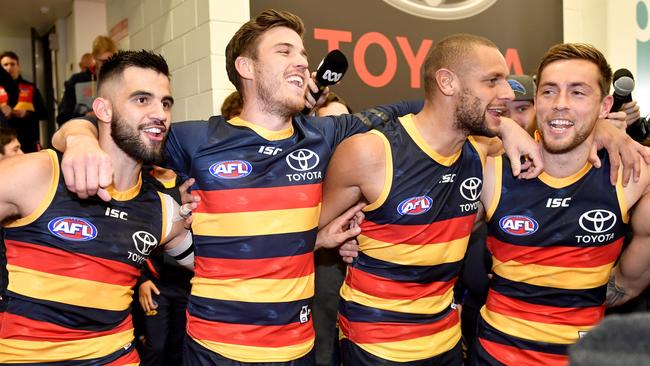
x=566 y=164
x=254 y=113
x=436 y=125
x=125 y=169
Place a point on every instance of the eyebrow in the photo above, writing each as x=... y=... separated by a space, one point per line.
x=290 y=45
x=138 y=93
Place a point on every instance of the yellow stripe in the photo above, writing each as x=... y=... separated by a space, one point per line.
x=409 y=126
x=263 y=132
x=163 y=205
x=258 y=354
x=255 y=290
x=388 y=175
x=66 y=290
x=256 y=223
x=535 y=331
x=128 y=194
x=477 y=146
x=416 y=348
x=557 y=277
x=423 y=305
x=413 y=254
x=620 y=195
x=557 y=183
x=498 y=181
x=45 y=203
x=27 y=106
x=22 y=351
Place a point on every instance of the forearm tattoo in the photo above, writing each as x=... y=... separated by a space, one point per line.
x=615 y=293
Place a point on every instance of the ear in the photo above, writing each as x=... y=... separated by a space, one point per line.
x=103 y=109
x=244 y=66
x=605 y=106
x=445 y=79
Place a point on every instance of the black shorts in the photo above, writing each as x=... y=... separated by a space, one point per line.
x=353 y=355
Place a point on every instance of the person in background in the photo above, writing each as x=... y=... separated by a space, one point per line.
x=8 y=96
x=87 y=62
x=81 y=88
x=232 y=106
x=522 y=108
x=30 y=108
x=334 y=105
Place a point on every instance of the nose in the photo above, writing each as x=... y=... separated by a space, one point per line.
x=506 y=92
x=560 y=101
x=158 y=112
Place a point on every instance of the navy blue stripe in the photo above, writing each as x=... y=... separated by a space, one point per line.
x=541 y=295
x=419 y=274
x=360 y=313
x=255 y=247
x=69 y=316
x=240 y=312
x=487 y=332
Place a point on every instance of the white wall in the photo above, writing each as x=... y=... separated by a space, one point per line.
x=192 y=36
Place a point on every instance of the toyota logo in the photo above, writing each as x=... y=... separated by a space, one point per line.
x=144 y=242
x=597 y=221
x=470 y=189
x=302 y=160
x=442 y=9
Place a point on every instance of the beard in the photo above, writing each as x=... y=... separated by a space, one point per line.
x=555 y=149
x=271 y=99
x=470 y=116
x=127 y=138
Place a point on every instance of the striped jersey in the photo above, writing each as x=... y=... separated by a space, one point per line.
x=72 y=265
x=255 y=230
x=553 y=243
x=397 y=296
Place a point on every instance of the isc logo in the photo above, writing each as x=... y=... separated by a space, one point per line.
x=518 y=225
x=231 y=169
x=72 y=228
x=332 y=76
x=415 y=205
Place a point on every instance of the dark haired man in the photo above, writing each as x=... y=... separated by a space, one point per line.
x=29 y=110
x=9 y=144
x=73 y=263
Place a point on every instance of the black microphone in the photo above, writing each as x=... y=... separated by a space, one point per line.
x=623 y=87
x=330 y=70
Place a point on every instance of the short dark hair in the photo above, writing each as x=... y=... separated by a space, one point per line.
x=450 y=53
x=6 y=136
x=116 y=64
x=579 y=51
x=245 y=41
x=9 y=54
x=332 y=98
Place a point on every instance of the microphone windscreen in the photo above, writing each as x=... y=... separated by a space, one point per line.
x=623 y=82
x=332 y=68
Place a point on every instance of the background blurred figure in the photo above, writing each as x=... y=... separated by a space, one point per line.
x=9 y=144
x=522 y=109
x=334 y=105
x=30 y=108
x=232 y=106
x=80 y=89
x=87 y=62
x=8 y=96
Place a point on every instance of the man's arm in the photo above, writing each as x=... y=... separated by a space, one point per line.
x=87 y=169
x=178 y=242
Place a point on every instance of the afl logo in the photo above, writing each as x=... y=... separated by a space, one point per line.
x=231 y=169
x=302 y=160
x=470 y=189
x=597 y=221
x=442 y=9
x=72 y=228
x=415 y=205
x=518 y=225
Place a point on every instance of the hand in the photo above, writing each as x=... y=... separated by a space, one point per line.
x=190 y=202
x=618 y=119
x=310 y=102
x=632 y=112
x=341 y=229
x=6 y=110
x=620 y=148
x=517 y=144
x=145 y=297
x=19 y=113
x=349 y=250
x=86 y=168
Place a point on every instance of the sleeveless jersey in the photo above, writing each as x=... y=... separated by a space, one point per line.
x=397 y=296
x=72 y=265
x=553 y=243
x=25 y=96
x=254 y=231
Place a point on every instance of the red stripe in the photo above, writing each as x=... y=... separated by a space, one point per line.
x=152 y=269
x=557 y=256
x=544 y=313
x=19 y=327
x=388 y=289
x=437 y=232
x=275 y=268
x=249 y=334
x=380 y=332
x=259 y=199
x=128 y=359
x=514 y=356
x=74 y=265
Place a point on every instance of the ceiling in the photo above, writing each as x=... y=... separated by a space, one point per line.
x=18 y=17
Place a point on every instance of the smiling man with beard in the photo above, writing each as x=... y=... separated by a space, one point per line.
x=72 y=263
